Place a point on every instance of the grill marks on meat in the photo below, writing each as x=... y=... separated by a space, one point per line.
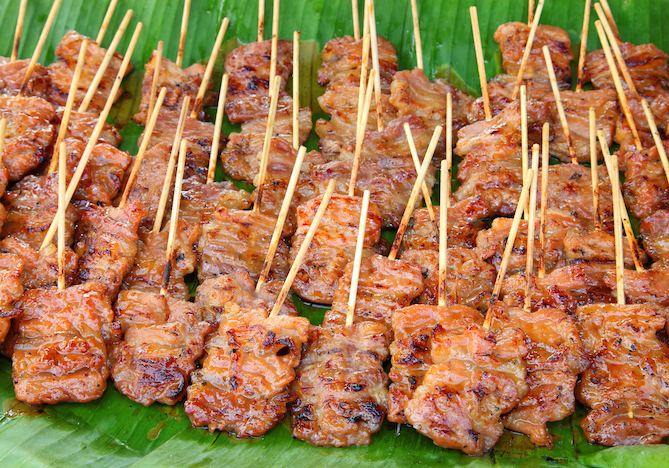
x=13 y=73
x=81 y=125
x=423 y=234
x=655 y=235
x=40 y=267
x=29 y=133
x=200 y=200
x=242 y=387
x=340 y=387
x=646 y=188
x=646 y=286
x=60 y=344
x=626 y=384
x=163 y=339
x=11 y=267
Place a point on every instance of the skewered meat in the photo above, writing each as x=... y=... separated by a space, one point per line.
x=242 y=387
x=384 y=286
x=81 y=125
x=598 y=246
x=646 y=188
x=655 y=235
x=340 y=385
x=60 y=348
x=626 y=384
x=12 y=75
x=333 y=245
x=11 y=267
x=199 y=201
x=423 y=234
x=645 y=286
x=163 y=339
x=41 y=267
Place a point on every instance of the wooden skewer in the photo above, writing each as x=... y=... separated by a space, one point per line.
x=613 y=41
x=303 y=250
x=142 y=149
x=360 y=133
x=656 y=137
x=182 y=35
x=296 y=89
x=377 y=67
x=92 y=141
x=93 y=88
x=443 y=235
x=530 y=12
x=523 y=132
x=363 y=75
x=416 y=163
x=619 y=87
x=174 y=219
x=528 y=49
x=164 y=194
x=264 y=158
x=261 y=20
x=105 y=22
x=220 y=110
x=593 y=169
x=449 y=149
x=62 y=182
x=529 y=255
x=356 y=20
x=40 y=44
x=156 y=76
x=19 y=30
x=609 y=17
x=210 y=68
x=357 y=260
x=511 y=239
x=584 y=46
x=275 y=41
x=281 y=220
x=479 y=61
x=618 y=233
x=3 y=131
x=544 y=199
x=394 y=250
x=416 y=34
x=72 y=94
x=558 y=104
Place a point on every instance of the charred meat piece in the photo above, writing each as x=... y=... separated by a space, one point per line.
x=199 y=201
x=11 y=267
x=40 y=266
x=646 y=188
x=12 y=75
x=655 y=235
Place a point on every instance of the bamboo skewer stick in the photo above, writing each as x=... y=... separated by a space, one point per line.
x=523 y=132
x=220 y=110
x=303 y=250
x=176 y=144
x=656 y=137
x=416 y=163
x=356 y=20
x=357 y=260
x=296 y=90
x=40 y=44
x=613 y=174
x=156 y=76
x=99 y=74
x=449 y=149
x=394 y=250
x=593 y=169
x=71 y=95
x=619 y=87
x=377 y=67
x=613 y=42
x=95 y=134
x=558 y=104
x=479 y=61
x=416 y=34
x=62 y=182
x=363 y=75
x=19 y=30
x=105 y=22
x=3 y=131
x=142 y=149
x=443 y=235
x=528 y=49
x=275 y=40
x=583 y=49
x=182 y=34
x=264 y=159
x=210 y=67
x=530 y=12
x=544 y=199
x=174 y=219
x=281 y=220
x=261 y=20
x=529 y=255
x=609 y=17
x=360 y=133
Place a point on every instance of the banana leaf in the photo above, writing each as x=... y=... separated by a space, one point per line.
x=115 y=432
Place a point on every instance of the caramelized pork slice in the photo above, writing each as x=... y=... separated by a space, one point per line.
x=163 y=337
x=626 y=384
x=655 y=235
x=40 y=268
x=646 y=188
x=243 y=386
x=199 y=200
x=11 y=267
x=423 y=234
x=645 y=286
x=81 y=126
x=29 y=133
x=384 y=286
x=62 y=71
x=60 y=344
x=13 y=73
x=333 y=245
x=598 y=246
x=340 y=385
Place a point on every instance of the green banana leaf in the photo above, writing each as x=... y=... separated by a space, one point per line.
x=115 y=432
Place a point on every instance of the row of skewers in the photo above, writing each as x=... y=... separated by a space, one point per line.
x=477 y=351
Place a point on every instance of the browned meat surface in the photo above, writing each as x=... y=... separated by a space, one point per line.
x=646 y=188
x=655 y=235
x=626 y=384
x=148 y=271
x=243 y=386
x=81 y=126
x=333 y=245
x=61 y=72
x=13 y=73
x=163 y=339
x=340 y=385
x=597 y=246
x=384 y=286
x=236 y=240
x=30 y=131
x=469 y=280
x=11 y=267
x=646 y=286
x=109 y=247
x=413 y=329
x=423 y=234
x=60 y=347
x=199 y=201
x=40 y=267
